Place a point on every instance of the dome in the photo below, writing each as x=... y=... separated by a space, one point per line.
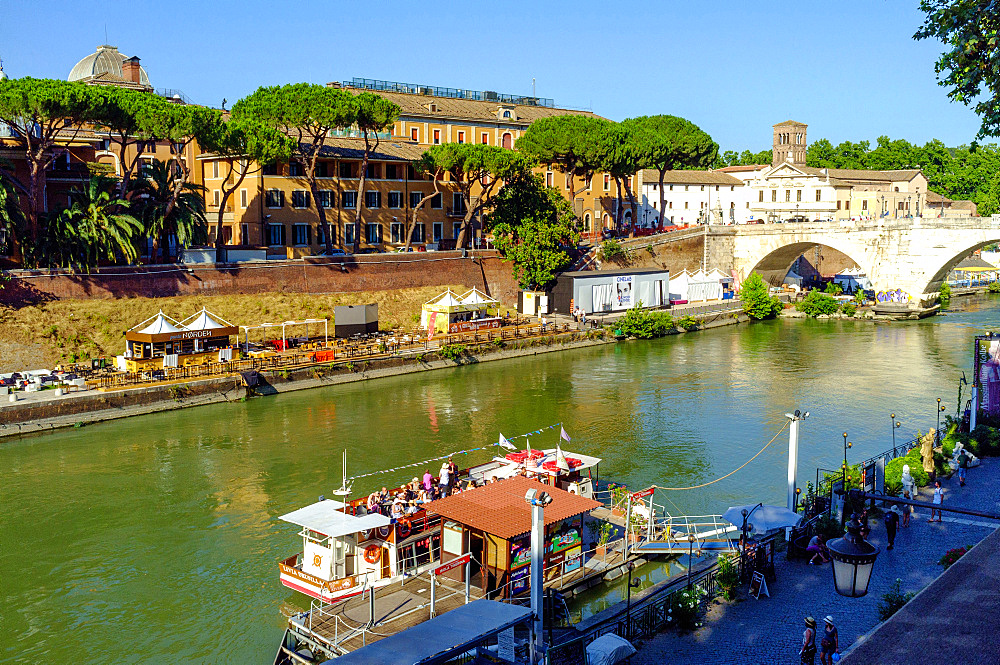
x=107 y=60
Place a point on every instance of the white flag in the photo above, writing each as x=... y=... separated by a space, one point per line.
x=505 y=443
x=561 y=463
x=563 y=435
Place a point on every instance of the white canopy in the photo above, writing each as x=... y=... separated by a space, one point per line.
x=476 y=297
x=325 y=517
x=161 y=324
x=446 y=299
x=203 y=321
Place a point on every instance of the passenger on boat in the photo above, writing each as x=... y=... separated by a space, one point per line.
x=453 y=472
x=397 y=510
x=412 y=507
x=428 y=480
x=372 y=504
x=445 y=479
x=423 y=496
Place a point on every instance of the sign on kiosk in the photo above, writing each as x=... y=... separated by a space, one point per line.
x=454 y=563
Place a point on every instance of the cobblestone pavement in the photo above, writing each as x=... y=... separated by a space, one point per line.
x=769 y=631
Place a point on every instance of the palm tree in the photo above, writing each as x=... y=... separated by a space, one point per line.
x=168 y=207
x=96 y=227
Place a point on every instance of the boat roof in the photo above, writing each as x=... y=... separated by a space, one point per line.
x=451 y=633
x=326 y=517
x=550 y=456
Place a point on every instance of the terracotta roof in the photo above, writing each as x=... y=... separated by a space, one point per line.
x=743 y=167
x=791 y=122
x=466 y=109
x=500 y=509
x=690 y=177
x=934 y=197
x=388 y=149
x=864 y=174
x=965 y=205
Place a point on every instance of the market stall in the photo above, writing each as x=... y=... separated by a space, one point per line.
x=161 y=341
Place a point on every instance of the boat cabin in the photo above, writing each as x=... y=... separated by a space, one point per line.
x=573 y=472
x=346 y=550
x=493 y=523
x=160 y=342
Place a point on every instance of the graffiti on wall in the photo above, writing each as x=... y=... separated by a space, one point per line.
x=899 y=295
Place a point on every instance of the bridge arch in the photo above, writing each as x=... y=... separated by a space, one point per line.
x=935 y=278
x=775 y=264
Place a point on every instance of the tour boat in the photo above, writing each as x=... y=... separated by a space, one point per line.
x=574 y=472
x=347 y=550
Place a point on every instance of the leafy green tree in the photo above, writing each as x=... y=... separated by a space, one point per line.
x=816 y=303
x=570 y=143
x=43 y=113
x=130 y=118
x=245 y=146
x=168 y=206
x=308 y=113
x=671 y=143
x=757 y=300
x=833 y=289
x=645 y=324
x=11 y=213
x=944 y=295
x=971 y=66
x=374 y=114
x=95 y=227
x=531 y=226
x=481 y=167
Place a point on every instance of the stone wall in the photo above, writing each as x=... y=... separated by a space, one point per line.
x=374 y=272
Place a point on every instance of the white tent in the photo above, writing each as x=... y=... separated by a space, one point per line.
x=161 y=323
x=679 y=285
x=793 y=279
x=704 y=287
x=204 y=320
x=474 y=298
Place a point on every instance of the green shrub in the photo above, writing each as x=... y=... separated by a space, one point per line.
x=686 y=322
x=816 y=303
x=951 y=556
x=988 y=438
x=828 y=527
x=612 y=250
x=728 y=576
x=757 y=300
x=944 y=296
x=686 y=607
x=894 y=470
x=645 y=324
x=893 y=600
x=994 y=287
x=849 y=308
x=833 y=289
x=452 y=351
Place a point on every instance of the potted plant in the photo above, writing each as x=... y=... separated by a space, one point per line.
x=728 y=576
x=684 y=612
x=603 y=535
x=619 y=499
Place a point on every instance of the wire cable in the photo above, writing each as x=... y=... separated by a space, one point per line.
x=711 y=482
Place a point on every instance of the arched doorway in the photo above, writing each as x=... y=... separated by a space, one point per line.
x=586 y=222
x=507 y=141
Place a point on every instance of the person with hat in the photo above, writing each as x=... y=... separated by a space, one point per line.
x=830 y=644
x=444 y=479
x=808 y=651
x=892 y=517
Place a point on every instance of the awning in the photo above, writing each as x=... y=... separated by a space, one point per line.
x=442 y=637
x=325 y=517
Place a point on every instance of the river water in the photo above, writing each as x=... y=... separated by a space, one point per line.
x=155 y=539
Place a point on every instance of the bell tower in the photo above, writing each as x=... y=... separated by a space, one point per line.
x=789 y=143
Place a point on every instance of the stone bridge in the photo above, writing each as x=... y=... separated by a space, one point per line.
x=912 y=255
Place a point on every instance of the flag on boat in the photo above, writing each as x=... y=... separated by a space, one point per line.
x=561 y=463
x=506 y=444
x=563 y=435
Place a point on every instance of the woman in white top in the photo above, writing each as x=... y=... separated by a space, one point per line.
x=444 y=479
x=938 y=500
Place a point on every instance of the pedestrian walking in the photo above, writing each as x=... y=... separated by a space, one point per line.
x=963 y=465
x=937 y=501
x=907 y=511
x=830 y=644
x=808 y=651
x=583 y=316
x=891 y=522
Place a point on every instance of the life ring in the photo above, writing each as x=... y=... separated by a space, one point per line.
x=403 y=528
x=383 y=531
x=373 y=553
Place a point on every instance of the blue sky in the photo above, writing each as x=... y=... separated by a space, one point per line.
x=849 y=69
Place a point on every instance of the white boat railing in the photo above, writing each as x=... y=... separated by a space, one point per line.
x=692 y=530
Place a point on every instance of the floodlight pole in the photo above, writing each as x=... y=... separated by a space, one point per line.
x=793 y=460
x=537 y=499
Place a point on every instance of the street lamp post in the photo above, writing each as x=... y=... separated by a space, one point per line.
x=937 y=415
x=847 y=444
x=628 y=599
x=690 y=556
x=895 y=425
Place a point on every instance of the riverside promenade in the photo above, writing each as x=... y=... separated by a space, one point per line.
x=769 y=630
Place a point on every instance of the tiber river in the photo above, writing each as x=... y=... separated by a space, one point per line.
x=155 y=539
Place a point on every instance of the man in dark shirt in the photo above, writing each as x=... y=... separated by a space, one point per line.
x=891 y=522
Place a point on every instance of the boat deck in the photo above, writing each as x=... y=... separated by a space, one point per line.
x=344 y=626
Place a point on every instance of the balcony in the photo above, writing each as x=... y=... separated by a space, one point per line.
x=456 y=212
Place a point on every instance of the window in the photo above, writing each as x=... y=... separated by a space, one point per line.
x=419 y=233
x=373 y=233
x=864 y=204
x=788 y=195
x=484 y=139
x=373 y=200
x=415 y=135
x=506 y=114
x=798 y=194
x=321 y=234
x=415 y=198
x=819 y=193
x=347 y=169
x=670 y=204
x=703 y=188
x=456 y=230
x=322 y=169
x=372 y=171
x=607 y=182
x=324 y=198
x=275 y=234
x=458 y=203
x=685 y=205
x=507 y=141
x=295 y=170
x=270 y=169
x=275 y=198
x=589 y=178
x=301 y=234
x=243 y=198
x=216 y=197
x=838 y=205
x=437 y=136
x=716 y=188
x=349 y=234
x=761 y=197
x=215 y=169
x=847 y=205
x=396 y=232
x=300 y=198
x=392 y=172
x=244 y=234
x=774 y=196
x=436 y=201
x=396 y=200
x=586 y=222
x=686 y=188
x=461 y=137
x=349 y=199
x=548 y=179
x=438 y=232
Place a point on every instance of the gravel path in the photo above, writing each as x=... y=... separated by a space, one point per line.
x=769 y=631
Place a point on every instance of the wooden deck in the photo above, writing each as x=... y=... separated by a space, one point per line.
x=343 y=626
